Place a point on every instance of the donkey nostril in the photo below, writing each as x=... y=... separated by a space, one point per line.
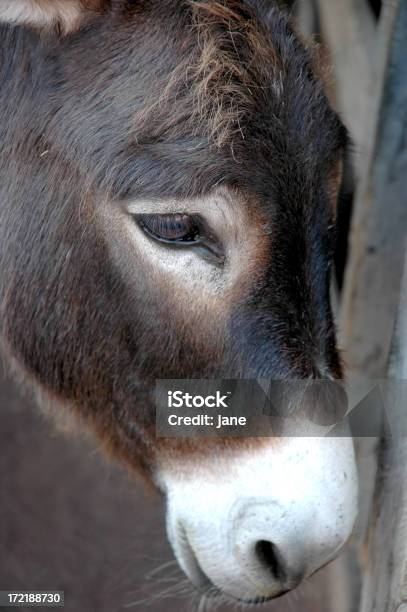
x=269 y=557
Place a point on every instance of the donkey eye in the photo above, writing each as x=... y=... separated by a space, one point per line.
x=182 y=230
x=172 y=228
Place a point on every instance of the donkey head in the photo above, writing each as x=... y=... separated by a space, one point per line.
x=168 y=183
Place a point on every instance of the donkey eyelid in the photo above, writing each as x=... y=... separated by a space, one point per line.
x=200 y=237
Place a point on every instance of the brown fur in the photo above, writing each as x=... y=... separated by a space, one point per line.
x=149 y=101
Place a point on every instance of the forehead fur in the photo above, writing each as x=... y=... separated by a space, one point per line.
x=172 y=99
x=237 y=92
x=225 y=58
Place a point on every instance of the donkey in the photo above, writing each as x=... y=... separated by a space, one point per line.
x=169 y=175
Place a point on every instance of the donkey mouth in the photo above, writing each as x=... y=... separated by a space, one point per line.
x=189 y=562
x=204 y=585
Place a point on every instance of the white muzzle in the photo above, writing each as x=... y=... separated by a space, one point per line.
x=255 y=522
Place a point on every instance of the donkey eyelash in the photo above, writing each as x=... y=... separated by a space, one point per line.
x=182 y=230
x=171 y=228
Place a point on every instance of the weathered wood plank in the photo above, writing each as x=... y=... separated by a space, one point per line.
x=385 y=580
x=348 y=29
x=379 y=226
x=307 y=17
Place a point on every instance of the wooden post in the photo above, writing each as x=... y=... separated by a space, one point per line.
x=379 y=227
x=348 y=30
x=385 y=577
x=370 y=70
x=307 y=17
x=372 y=283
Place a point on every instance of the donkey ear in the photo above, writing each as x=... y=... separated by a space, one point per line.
x=66 y=14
